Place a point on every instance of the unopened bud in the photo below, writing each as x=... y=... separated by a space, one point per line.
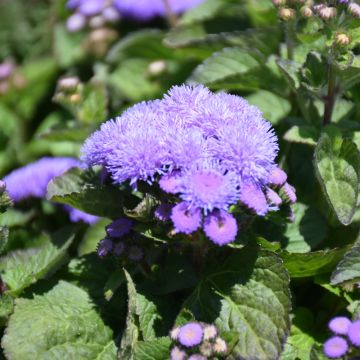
x=354 y=9
x=6 y=69
x=306 y=12
x=68 y=83
x=327 y=12
x=75 y=98
x=2 y=186
x=279 y=2
x=104 y=248
x=342 y=39
x=286 y=14
x=75 y=22
x=97 y=22
x=157 y=67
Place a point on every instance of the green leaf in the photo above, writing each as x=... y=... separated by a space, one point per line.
x=291 y=71
x=279 y=108
x=313 y=263
x=301 y=340
x=337 y=164
x=142 y=314
x=22 y=268
x=4 y=236
x=249 y=295
x=156 y=349
x=60 y=324
x=82 y=190
x=348 y=268
x=307 y=231
x=235 y=68
x=303 y=134
x=6 y=307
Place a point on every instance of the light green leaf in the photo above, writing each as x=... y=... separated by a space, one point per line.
x=61 y=324
x=337 y=164
x=248 y=295
x=22 y=268
x=303 y=134
x=235 y=68
x=83 y=191
x=156 y=349
x=273 y=107
x=348 y=268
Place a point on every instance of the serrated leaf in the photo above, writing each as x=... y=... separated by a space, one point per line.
x=234 y=68
x=291 y=71
x=83 y=191
x=22 y=268
x=337 y=164
x=248 y=295
x=313 y=263
x=349 y=266
x=6 y=307
x=156 y=349
x=61 y=324
x=142 y=314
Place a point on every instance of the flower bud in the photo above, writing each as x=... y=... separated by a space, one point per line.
x=157 y=67
x=2 y=186
x=76 y=22
x=97 y=22
x=279 y=2
x=354 y=9
x=342 y=39
x=6 y=70
x=286 y=14
x=68 y=83
x=306 y=12
x=327 y=12
x=220 y=346
x=104 y=248
x=75 y=99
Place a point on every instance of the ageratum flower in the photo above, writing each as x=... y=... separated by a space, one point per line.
x=191 y=334
x=210 y=150
x=354 y=333
x=339 y=325
x=145 y=10
x=31 y=181
x=335 y=347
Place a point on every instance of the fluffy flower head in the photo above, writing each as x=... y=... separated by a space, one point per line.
x=335 y=347
x=186 y=220
x=191 y=334
x=339 y=325
x=354 y=333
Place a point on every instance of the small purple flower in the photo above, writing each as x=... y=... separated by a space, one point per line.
x=220 y=227
x=197 y=357
x=354 y=9
x=31 y=180
x=177 y=354
x=118 y=248
x=104 y=247
x=289 y=193
x=163 y=212
x=339 y=325
x=191 y=334
x=75 y=22
x=185 y=220
x=273 y=197
x=6 y=69
x=91 y=7
x=135 y=253
x=335 y=347
x=111 y=14
x=354 y=333
x=208 y=186
x=170 y=183
x=253 y=197
x=119 y=228
x=277 y=176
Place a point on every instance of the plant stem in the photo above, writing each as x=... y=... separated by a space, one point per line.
x=289 y=36
x=170 y=15
x=331 y=95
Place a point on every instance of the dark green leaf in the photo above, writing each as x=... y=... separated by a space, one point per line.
x=156 y=349
x=82 y=190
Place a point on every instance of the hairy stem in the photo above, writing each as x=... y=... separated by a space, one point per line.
x=289 y=36
x=170 y=15
x=331 y=94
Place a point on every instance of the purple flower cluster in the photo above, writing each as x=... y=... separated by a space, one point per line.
x=97 y=13
x=344 y=330
x=115 y=242
x=211 y=150
x=31 y=181
x=196 y=341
